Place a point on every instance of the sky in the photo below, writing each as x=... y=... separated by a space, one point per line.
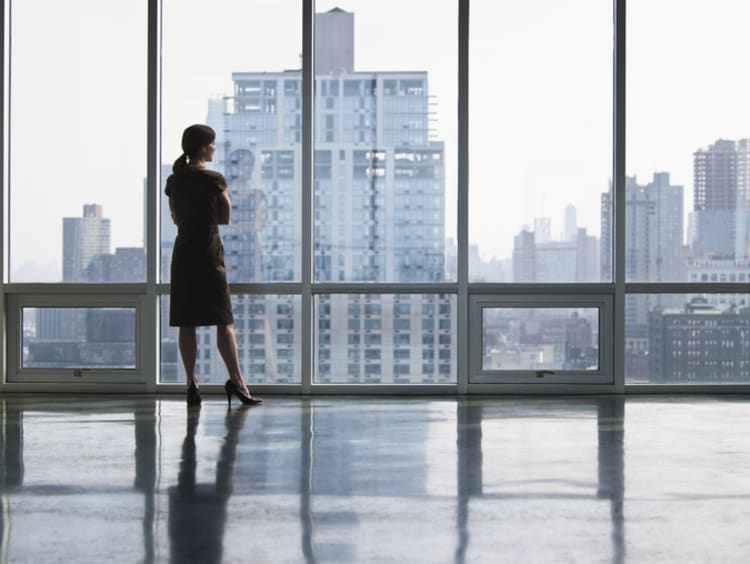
x=540 y=102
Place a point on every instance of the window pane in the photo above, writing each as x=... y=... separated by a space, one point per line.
x=67 y=337
x=515 y=338
x=385 y=129
x=233 y=78
x=385 y=339
x=269 y=342
x=541 y=140
x=687 y=339
x=688 y=199
x=77 y=140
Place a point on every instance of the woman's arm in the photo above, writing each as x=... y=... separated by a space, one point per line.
x=172 y=211
x=225 y=207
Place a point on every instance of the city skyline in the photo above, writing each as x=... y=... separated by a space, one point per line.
x=553 y=232
x=663 y=129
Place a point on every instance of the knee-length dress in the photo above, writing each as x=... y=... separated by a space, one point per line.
x=199 y=294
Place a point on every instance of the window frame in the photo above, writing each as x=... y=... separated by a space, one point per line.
x=145 y=296
x=601 y=302
x=75 y=298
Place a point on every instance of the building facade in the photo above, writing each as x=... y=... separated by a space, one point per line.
x=699 y=344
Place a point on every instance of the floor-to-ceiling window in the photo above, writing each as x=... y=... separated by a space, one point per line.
x=687 y=194
x=75 y=164
x=235 y=66
x=450 y=196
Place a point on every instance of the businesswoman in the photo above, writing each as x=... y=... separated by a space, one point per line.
x=199 y=294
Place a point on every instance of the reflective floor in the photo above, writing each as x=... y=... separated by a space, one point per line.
x=143 y=479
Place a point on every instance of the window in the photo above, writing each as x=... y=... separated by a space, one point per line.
x=687 y=339
x=259 y=167
x=381 y=349
x=549 y=339
x=271 y=340
x=408 y=158
x=541 y=129
x=75 y=218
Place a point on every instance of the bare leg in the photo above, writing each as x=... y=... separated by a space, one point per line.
x=228 y=349
x=188 y=351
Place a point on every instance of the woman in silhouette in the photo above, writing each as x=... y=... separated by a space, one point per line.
x=199 y=294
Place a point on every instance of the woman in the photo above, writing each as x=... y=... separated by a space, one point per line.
x=199 y=294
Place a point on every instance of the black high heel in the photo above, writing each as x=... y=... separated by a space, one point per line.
x=231 y=388
x=193 y=395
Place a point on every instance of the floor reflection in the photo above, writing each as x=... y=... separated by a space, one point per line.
x=371 y=479
x=198 y=511
x=472 y=414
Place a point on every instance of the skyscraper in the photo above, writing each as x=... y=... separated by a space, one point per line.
x=653 y=231
x=721 y=200
x=654 y=253
x=379 y=216
x=83 y=239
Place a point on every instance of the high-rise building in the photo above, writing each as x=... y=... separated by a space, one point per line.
x=654 y=252
x=721 y=200
x=653 y=229
x=570 y=219
x=83 y=239
x=379 y=216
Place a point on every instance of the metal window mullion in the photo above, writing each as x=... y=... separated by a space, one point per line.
x=4 y=211
x=308 y=22
x=619 y=171
x=687 y=288
x=462 y=321
x=149 y=343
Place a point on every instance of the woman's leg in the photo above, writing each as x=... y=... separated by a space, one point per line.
x=188 y=350
x=228 y=349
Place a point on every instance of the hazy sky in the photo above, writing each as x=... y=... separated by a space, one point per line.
x=540 y=99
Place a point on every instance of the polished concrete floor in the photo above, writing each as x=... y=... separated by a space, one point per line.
x=404 y=480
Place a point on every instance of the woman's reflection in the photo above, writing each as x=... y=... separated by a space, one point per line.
x=248 y=222
x=198 y=512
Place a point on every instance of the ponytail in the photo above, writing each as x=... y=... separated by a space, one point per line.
x=180 y=165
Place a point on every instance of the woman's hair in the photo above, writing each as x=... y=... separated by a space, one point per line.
x=193 y=138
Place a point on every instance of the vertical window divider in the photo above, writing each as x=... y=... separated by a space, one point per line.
x=619 y=156
x=462 y=302
x=152 y=338
x=4 y=210
x=308 y=78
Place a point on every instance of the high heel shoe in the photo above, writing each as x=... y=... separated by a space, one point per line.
x=193 y=395
x=231 y=388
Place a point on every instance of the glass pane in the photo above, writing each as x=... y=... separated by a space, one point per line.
x=235 y=78
x=516 y=338
x=385 y=339
x=687 y=339
x=541 y=140
x=385 y=137
x=688 y=199
x=77 y=140
x=68 y=337
x=269 y=342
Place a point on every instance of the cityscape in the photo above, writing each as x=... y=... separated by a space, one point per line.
x=380 y=216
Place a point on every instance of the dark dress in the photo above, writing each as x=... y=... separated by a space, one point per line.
x=199 y=294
